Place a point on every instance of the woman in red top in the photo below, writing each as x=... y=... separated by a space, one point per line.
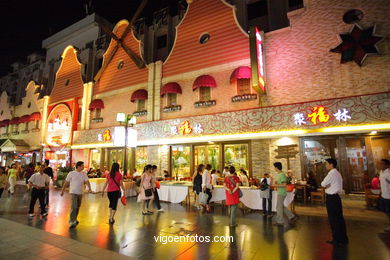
x=114 y=183
x=231 y=184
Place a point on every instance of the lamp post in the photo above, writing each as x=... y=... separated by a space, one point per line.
x=127 y=121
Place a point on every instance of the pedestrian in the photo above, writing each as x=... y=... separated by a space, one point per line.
x=155 y=192
x=39 y=182
x=207 y=185
x=49 y=172
x=12 y=175
x=333 y=184
x=146 y=190
x=3 y=180
x=225 y=172
x=76 y=181
x=281 y=209
x=385 y=188
x=244 y=178
x=266 y=194
x=214 y=177
x=29 y=172
x=376 y=185
x=231 y=184
x=115 y=183
x=197 y=184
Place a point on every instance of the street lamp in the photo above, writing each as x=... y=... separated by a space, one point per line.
x=127 y=121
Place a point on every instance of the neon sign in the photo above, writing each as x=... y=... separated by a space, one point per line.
x=185 y=128
x=257 y=60
x=319 y=114
x=59 y=126
x=105 y=136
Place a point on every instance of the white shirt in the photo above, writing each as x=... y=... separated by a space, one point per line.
x=335 y=181
x=40 y=180
x=76 y=180
x=206 y=179
x=244 y=180
x=225 y=173
x=384 y=177
x=214 y=178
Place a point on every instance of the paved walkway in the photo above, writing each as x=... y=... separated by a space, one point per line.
x=133 y=234
x=18 y=241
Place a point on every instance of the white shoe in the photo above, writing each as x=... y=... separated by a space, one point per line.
x=160 y=210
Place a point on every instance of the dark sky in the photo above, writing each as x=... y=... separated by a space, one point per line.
x=24 y=24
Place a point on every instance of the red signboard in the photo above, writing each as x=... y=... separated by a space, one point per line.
x=257 y=60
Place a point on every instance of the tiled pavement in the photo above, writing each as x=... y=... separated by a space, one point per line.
x=133 y=234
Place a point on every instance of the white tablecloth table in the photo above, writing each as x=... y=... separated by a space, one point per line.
x=130 y=189
x=250 y=197
x=97 y=184
x=173 y=193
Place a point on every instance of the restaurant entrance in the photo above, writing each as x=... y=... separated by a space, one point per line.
x=354 y=155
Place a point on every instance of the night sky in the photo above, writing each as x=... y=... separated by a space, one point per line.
x=24 y=24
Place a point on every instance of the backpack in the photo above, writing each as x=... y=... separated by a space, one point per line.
x=264 y=185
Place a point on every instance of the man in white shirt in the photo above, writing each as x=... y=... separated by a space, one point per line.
x=76 y=180
x=39 y=182
x=333 y=184
x=384 y=178
x=225 y=172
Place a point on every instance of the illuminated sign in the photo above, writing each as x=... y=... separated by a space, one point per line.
x=257 y=59
x=105 y=136
x=59 y=127
x=185 y=128
x=319 y=114
x=120 y=135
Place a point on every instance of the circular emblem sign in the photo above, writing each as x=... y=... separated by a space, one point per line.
x=59 y=126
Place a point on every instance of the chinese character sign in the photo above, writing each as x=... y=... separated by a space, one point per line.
x=185 y=128
x=319 y=114
x=106 y=135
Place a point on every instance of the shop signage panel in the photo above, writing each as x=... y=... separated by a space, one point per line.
x=59 y=126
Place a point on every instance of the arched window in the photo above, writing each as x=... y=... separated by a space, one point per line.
x=241 y=79
x=204 y=93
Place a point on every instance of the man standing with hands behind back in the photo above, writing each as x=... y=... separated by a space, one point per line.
x=39 y=182
x=76 y=180
x=333 y=184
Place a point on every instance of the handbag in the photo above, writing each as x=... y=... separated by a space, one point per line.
x=239 y=190
x=148 y=192
x=124 y=200
x=157 y=184
x=290 y=187
x=203 y=198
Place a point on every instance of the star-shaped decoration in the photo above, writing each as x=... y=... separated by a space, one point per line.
x=357 y=44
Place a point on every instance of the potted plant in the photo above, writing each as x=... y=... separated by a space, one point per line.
x=61 y=175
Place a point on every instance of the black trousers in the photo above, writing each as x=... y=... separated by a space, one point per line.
x=269 y=201
x=208 y=192
x=1 y=191
x=113 y=197
x=37 y=194
x=336 y=218
x=156 y=199
x=47 y=197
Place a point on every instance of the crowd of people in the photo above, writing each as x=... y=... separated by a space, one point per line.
x=38 y=177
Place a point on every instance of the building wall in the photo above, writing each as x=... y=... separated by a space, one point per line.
x=300 y=67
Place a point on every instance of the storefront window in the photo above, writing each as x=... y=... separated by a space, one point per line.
x=236 y=155
x=207 y=154
x=141 y=158
x=95 y=158
x=181 y=161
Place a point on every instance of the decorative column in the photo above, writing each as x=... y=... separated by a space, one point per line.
x=87 y=98
x=157 y=89
x=150 y=101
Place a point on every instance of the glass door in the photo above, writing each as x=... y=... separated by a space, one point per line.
x=181 y=162
x=315 y=152
x=237 y=155
x=357 y=163
x=116 y=156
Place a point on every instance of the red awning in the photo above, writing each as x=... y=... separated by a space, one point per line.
x=35 y=116
x=243 y=72
x=140 y=94
x=171 y=87
x=96 y=104
x=14 y=121
x=204 y=81
x=5 y=122
x=24 y=119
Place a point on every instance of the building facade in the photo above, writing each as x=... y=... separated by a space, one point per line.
x=223 y=96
